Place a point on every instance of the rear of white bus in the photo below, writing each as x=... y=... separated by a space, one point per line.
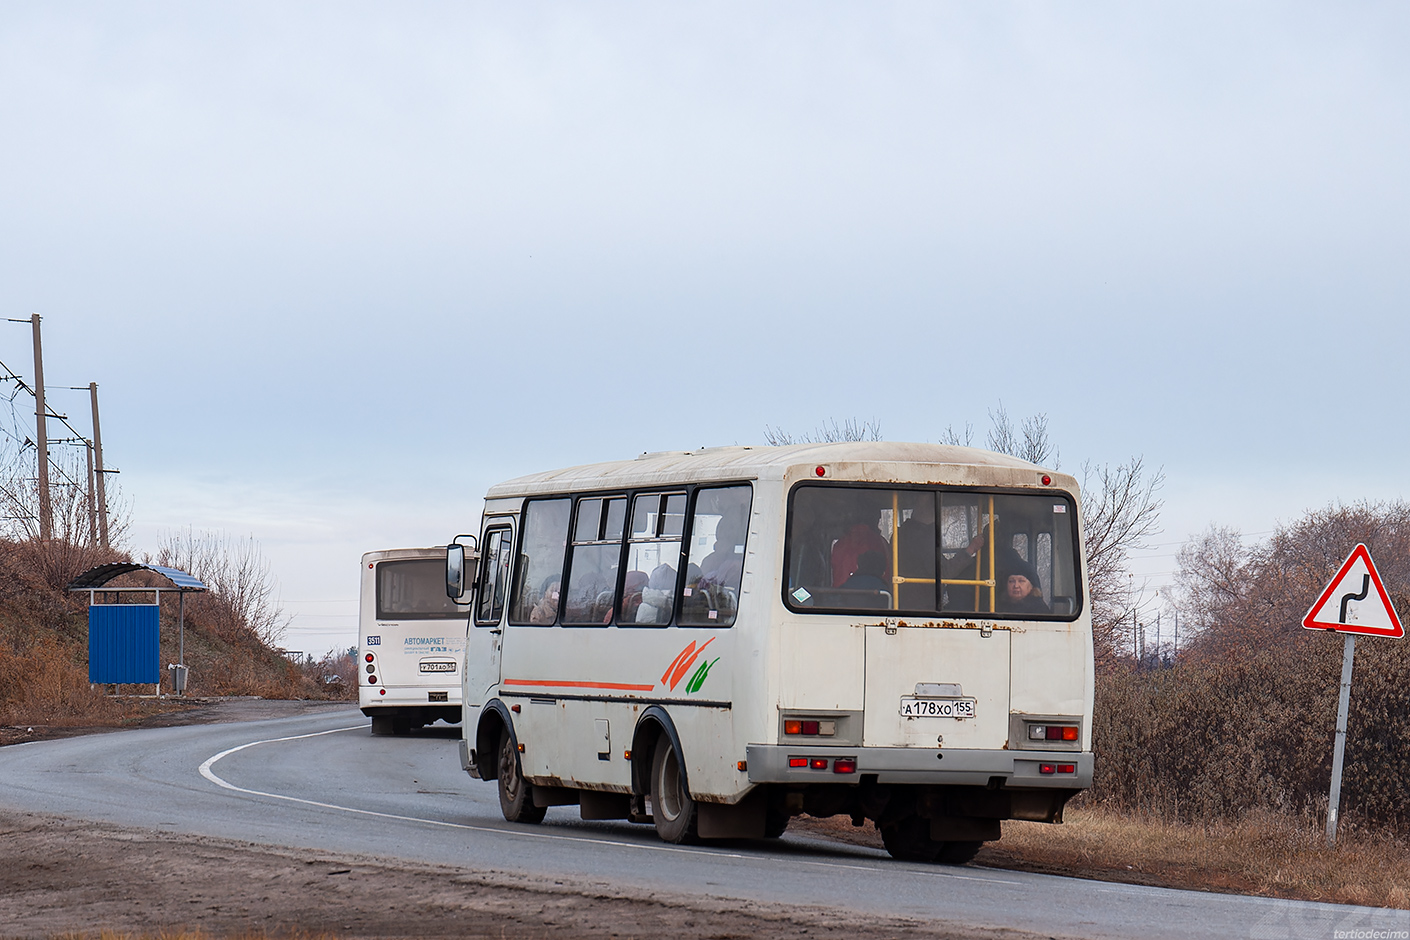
x=411 y=641
x=935 y=656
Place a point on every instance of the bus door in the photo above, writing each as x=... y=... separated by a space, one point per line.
x=485 y=639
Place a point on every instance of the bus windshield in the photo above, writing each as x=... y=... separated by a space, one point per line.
x=413 y=590
x=959 y=552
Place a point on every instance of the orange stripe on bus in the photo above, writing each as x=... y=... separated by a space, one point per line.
x=569 y=684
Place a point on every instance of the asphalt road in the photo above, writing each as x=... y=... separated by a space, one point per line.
x=323 y=782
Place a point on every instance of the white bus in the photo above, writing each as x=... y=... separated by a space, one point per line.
x=718 y=640
x=411 y=640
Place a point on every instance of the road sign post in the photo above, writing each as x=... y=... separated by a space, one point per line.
x=1371 y=616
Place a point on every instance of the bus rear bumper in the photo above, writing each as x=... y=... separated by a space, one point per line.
x=769 y=763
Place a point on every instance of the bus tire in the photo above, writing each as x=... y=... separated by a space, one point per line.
x=957 y=853
x=383 y=724
x=672 y=808
x=908 y=840
x=516 y=795
x=775 y=823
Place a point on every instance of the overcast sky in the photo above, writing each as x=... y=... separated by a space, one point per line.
x=339 y=267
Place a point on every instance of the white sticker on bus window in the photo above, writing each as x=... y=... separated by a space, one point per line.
x=739 y=549
x=686 y=592
x=1059 y=507
x=713 y=614
x=801 y=595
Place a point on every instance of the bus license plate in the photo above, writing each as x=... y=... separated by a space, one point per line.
x=438 y=667
x=937 y=707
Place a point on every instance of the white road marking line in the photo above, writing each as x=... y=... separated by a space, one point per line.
x=211 y=775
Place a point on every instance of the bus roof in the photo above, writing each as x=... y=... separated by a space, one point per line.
x=711 y=464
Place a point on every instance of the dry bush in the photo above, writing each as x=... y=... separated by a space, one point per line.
x=1244 y=722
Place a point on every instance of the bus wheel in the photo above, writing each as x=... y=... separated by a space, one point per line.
x=908 y=839
x=672 y=809
x=957 y=853
x=516 y=795
x=775 y=823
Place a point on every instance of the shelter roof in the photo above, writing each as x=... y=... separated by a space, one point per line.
x=101 y=575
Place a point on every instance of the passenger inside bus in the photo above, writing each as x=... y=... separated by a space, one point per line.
x=658 y=596
x=1022 y=593
x=545 y=610
x=632 y=586
x=862 y=535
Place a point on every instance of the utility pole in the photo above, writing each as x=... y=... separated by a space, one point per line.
x=41 y=424
x=102 y=507
x=92 y=506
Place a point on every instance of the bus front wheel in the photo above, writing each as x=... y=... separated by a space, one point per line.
x=516 y=795
x=672 y=808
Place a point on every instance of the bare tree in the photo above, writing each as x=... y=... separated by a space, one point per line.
x=1120 y=510
x=71 y=503
x=955 y=438
x=238 y=574
x=1212 y=577
x=1029 y=441
x=829 y=432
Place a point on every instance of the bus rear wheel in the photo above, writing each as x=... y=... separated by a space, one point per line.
x=516 y=795
x=957 y=853
x=672 y=808
x=908 y=840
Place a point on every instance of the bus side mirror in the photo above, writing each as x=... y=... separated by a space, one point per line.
x=455 y=571
x=460 y=573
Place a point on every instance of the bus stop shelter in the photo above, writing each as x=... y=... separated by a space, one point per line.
x=124 y=636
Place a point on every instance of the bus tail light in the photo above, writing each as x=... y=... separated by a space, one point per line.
x=798 y=762
x=371 y=680
x=381 y=691
x=818 y=763
x=1067 y=768
x=1047 y=769
x=844 y=765
x=1053 y=732
x=370 y=658
x=810 y=726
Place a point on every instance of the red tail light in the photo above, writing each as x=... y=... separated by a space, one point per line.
x=1047 y=768
x=818 y=763
x=798 y=762
x=370 y=657
x=1067 y=768
x=844 y=765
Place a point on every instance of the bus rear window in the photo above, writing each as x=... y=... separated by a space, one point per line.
x=931 y=551
x=414 y=590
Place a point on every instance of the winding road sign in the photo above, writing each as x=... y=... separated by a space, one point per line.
x=1356 y=601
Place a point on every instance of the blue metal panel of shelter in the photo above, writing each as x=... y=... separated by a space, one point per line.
x=122 y=643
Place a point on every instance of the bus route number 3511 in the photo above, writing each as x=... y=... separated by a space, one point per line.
x=937 y=707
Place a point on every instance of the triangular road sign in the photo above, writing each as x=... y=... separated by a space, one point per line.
x=1355 y=601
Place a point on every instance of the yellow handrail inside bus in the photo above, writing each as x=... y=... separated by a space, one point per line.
x=897 y=580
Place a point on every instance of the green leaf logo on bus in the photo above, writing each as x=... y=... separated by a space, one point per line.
x=679 y=666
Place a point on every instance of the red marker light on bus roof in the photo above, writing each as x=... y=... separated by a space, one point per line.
x=1047 y=480
x=821 y=471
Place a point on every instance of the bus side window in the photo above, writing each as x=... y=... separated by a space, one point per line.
x=653 y=559
x=539 y=576
x=596 y=556
x=494 y=576
x=719 y=528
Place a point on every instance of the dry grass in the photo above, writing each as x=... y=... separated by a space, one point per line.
x=1265 y=855
x=196 y=935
